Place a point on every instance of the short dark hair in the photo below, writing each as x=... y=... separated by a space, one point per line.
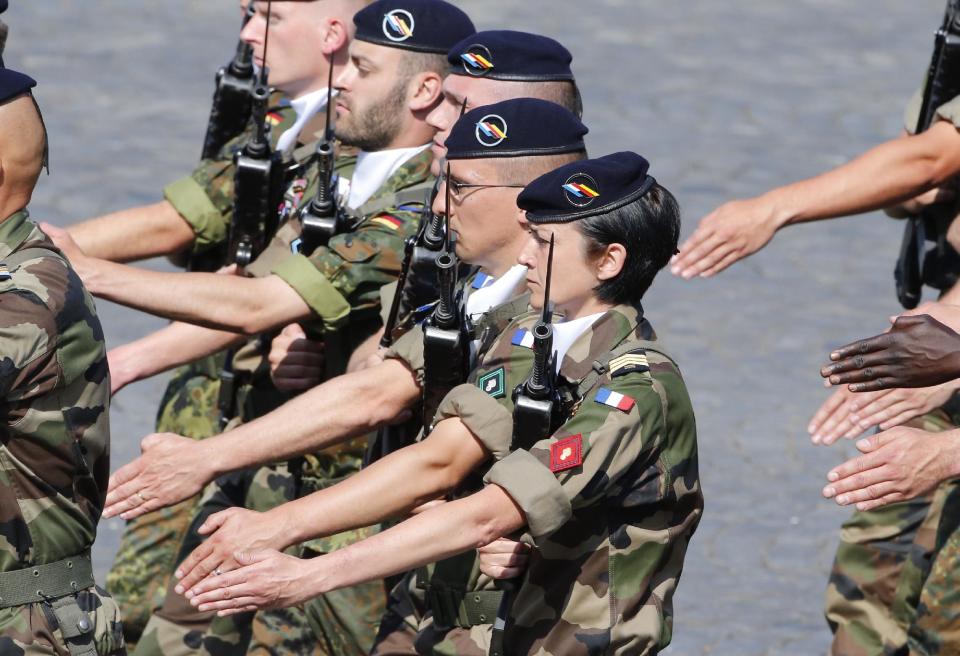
x=565 y=93
x=649 y=228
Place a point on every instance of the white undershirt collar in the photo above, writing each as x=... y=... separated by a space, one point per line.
x=374 y=169
x=306 y=107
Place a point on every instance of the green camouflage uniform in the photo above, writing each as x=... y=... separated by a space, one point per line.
x=54 y=456
x=341 y=283
x=146 y=558
x=885 y=555
x=611 y=499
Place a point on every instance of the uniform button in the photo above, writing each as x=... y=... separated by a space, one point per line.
x=483 y=618
x=83 y=624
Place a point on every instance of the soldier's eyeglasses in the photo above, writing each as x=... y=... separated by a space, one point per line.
x=457 y=187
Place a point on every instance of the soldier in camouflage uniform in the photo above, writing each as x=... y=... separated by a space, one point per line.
x=618 y=479
x=55 y=384
x=339 y=284
x=196 y=215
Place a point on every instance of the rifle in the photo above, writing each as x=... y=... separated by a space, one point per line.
x=419 y=253
x=258 y=180
x=445 y=337
x=536 y=415
x=322 y=219
x=232 y=98
x=258 y=188
x=916 y=264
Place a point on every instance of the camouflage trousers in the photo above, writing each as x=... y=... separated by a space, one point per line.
x=33 y=630
x=148 y=549
x=339 y=623
x=880 y=567
x=935 y=625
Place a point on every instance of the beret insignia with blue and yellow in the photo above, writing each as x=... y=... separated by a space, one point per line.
x=432 y=26
x=520 y=127
x=512 y=56
x=586 y=188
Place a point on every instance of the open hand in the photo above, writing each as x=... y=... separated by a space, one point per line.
x=730 y=233
x=262 y=579
x=230 y=531
x=159 y=477
x=917 y=351
x=898 y=464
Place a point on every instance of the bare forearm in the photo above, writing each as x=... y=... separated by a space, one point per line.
x=221 y=302
x=173 y=346
x=339 y=409
x=889 y=174
x=391 y=487
x=134 y=234
x=438 y=533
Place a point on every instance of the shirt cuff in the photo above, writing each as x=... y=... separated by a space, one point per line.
x=490 y=422
x=192 y=203
x=535 y=489
x=409 y=350
x=315 y=289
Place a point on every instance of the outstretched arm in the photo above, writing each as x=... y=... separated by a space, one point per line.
x=341 y=408
x=270 y=579
x=173 y=346
x=889 y=174
x=213 y=300
x=388 y=488
x=133 y=234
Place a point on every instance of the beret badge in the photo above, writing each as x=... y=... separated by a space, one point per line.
x=398 y=25
x=477 y=60
x=491 y=131
x=581 y=190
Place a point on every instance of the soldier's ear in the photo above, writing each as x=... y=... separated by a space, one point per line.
x=336 y=37
x=610 y=263
x=425 y=91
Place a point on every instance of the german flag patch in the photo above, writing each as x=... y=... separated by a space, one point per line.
x=388 y=221
x=274 y=118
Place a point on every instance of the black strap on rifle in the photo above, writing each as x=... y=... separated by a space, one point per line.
x=939 y=266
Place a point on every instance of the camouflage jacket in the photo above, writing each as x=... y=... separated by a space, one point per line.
x=54 y=457
x=205 y=197
x=341 y=284
x=611 y=499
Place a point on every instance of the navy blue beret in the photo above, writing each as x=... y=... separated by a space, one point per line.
x=587 y=188
x=420 y=25
x=516 y=128
x=3 y=6
x=13 y=84
x=509 y=55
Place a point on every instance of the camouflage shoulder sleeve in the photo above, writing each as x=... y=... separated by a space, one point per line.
x=205 y=197
x=620 y=422
x=409 y=350
x=345 y=277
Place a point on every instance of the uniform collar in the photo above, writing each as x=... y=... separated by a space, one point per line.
x=306 y=107
x=617 y=325
x=375 y=169
x=14 y=231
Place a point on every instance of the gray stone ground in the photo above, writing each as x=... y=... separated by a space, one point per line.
x=726 y=99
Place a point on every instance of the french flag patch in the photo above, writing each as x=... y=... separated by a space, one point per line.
x=615 y=400
x=522 y=337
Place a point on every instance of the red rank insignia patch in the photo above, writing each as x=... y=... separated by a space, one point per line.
x=566 y=454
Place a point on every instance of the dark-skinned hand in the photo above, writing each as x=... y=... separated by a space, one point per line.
x=917 y=351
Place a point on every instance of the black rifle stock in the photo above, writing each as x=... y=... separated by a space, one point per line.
x=536 y=415
x=232 y=98
x=446 y=344
x=322 y=219
x=258 y=188
x=917 y=265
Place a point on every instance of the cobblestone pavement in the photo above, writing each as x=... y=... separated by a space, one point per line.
x=726 y=99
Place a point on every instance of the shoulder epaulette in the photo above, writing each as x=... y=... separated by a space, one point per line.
x=630 y=363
